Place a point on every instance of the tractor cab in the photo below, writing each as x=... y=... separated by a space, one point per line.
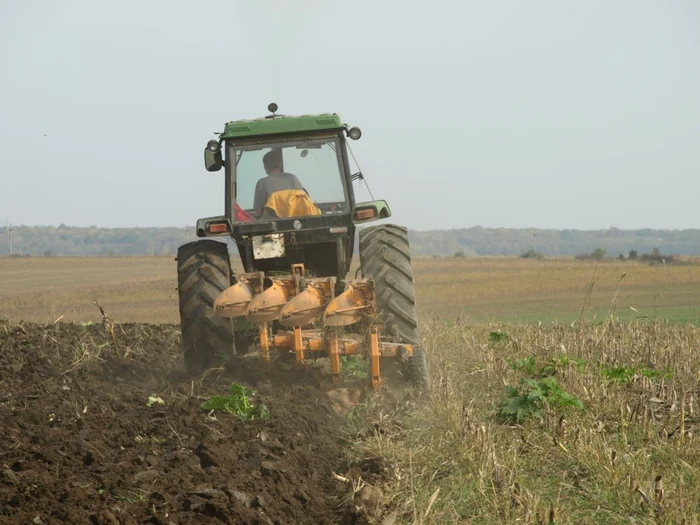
x=267 y=186
x=289 y=192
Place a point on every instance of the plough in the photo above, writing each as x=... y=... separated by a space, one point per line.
x=298 y=304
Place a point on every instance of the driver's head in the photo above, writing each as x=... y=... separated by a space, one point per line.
x=272 y=162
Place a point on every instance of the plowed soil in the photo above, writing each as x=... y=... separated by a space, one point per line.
x=78 y=443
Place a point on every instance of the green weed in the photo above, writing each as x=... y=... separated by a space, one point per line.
x=551 y=367
x=354 y=367
x=561 y=362
x=532 y=397
x=238 y=402
x=498 y=337
x=625 y=374
x=526 y=365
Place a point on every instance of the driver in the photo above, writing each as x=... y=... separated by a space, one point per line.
x=276 y=180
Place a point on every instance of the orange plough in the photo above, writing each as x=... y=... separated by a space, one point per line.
x=306 y=315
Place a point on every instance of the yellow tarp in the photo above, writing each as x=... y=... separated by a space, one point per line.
x=290 y=203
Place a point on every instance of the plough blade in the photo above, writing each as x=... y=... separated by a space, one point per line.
x=309 y=305
x=266 y=307
x=350 y=306
x=233 y=301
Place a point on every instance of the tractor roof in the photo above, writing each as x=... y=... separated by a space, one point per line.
x=281 y=124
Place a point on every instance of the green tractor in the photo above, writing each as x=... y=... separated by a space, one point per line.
x=290 y=209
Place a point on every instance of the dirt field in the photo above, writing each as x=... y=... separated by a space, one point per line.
x=79 y=444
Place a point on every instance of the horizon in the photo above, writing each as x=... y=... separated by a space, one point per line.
x=3 y=227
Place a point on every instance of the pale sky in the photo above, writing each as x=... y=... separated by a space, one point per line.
x=545 y=114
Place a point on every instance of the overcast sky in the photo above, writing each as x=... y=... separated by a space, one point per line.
x=546 y=114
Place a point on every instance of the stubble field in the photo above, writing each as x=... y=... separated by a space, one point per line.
x=562 y=392
x=144 y=289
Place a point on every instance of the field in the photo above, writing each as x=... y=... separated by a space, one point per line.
x=143 y=289
x=103 y=428
x=562 y=392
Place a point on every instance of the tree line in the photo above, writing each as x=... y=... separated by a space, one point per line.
x=519 y=241
x=72 y=240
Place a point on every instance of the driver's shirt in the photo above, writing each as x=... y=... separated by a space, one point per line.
x=272 y=183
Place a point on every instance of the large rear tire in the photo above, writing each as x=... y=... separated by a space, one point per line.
x=385 y=257
x=203 y=271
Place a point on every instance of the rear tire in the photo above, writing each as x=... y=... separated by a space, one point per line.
x=203 y=272
x=416 y=369
x=385 y=257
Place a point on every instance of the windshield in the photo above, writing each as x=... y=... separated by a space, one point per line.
x=290 y=179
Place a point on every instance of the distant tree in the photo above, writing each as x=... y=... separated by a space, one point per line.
x=598 y=254
x=621 y=257
x=532 y=254
x=657 y=257
x=633 y=255
x=459 y=254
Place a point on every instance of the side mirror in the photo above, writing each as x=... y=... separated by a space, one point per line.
x=212 y=156
x=370 y=211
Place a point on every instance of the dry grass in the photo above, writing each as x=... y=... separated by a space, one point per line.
x=631 y=456
x=133 y=289
x=523 y=289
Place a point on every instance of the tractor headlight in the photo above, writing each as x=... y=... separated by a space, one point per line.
x=354 y=133
x=213 y=146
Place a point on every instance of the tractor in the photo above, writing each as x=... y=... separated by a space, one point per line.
x=290 y=209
